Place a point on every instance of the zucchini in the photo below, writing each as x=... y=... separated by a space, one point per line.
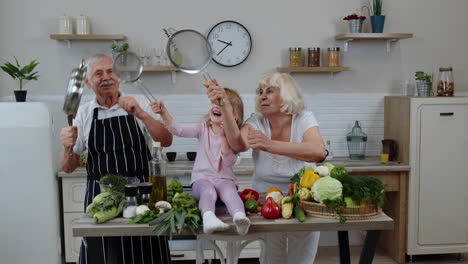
x=299 y=213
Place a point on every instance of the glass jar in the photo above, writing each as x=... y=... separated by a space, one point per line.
x=144 y=189
x=314 y=57
x=295 y=57
x=131 y=204
x=334 y=57
x=445 y=83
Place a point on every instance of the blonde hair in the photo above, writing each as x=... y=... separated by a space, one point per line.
x=237 y=105
x=290 y=93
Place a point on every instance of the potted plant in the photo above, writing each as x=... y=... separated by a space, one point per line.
x=423 y=83
x=355 y=22
x=375 y=12
x=22 y=74
x=118 y=48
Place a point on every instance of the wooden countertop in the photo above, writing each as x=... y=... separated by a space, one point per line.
x=246 y=166
x=85 y=227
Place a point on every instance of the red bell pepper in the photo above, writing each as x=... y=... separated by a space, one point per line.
x=270 y=209
x=249 y=194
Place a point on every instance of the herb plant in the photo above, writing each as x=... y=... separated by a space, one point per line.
x=120 y=48
x=374 y=7
x=19 y=73
x=423 y=77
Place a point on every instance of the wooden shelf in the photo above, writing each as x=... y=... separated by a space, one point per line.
x=312 y=69
x=373 y=36
x=160 y=69
x=87 y=37
x=388 y=37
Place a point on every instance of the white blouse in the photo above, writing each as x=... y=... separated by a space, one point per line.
x=272 y=170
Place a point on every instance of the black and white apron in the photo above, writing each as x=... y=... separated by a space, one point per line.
x=117 y=145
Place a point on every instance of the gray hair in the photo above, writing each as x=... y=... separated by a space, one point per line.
x=290 y=93
x=93 y=59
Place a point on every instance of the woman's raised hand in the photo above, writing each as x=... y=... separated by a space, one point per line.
x=257 y=140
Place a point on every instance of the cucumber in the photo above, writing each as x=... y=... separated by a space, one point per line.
x=299 y=213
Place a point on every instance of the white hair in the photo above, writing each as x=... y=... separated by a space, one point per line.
x=290 y=93
x=93 y=59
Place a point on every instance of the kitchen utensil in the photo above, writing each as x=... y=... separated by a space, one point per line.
x=190 y=52
x=357 y=141
x=73 y=94
x=129 y=67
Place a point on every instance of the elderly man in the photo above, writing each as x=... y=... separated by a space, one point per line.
x=115 y=133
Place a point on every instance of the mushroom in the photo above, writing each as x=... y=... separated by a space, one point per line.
x=163 y=206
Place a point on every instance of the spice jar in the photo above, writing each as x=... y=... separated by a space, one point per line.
x=445 y=83
x=334 y=57
x=295 y=57
x=131 y=204
x=144 y=189
x=314 y=57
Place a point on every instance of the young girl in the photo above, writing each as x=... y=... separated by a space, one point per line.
x=212 y=173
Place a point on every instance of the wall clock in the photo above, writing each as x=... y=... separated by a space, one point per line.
x=231 y=43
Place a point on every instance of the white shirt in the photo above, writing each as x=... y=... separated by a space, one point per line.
x=84 y=116
x=272 y=170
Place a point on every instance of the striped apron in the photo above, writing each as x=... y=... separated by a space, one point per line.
x=116 y=145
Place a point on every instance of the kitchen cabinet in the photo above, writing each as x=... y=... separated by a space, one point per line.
x=432 y=137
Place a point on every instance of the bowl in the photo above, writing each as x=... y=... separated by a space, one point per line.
x=171 y=156
x=191 y=156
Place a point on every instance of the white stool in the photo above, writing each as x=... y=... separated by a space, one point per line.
x=234 y=245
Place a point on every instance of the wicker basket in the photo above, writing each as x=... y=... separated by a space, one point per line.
x=349 y=212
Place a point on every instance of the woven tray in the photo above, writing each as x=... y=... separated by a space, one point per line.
x=350 y=212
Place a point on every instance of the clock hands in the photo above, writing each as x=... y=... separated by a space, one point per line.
x=227 y=45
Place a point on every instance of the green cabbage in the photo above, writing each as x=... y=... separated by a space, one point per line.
x=327 y=188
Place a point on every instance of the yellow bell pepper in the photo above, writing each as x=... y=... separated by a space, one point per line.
x=309 y=178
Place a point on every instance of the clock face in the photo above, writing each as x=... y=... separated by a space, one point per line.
x=231 y=43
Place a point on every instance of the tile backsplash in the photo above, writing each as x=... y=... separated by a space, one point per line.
x=335 y=113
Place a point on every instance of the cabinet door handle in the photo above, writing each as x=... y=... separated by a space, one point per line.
x=177 y=255
x=446 y=114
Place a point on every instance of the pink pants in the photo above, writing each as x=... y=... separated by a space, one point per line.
x=206 y=192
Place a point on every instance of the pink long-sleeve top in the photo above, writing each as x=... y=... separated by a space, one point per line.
x=210 y=163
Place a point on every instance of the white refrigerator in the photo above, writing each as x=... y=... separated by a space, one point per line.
x=30 y=220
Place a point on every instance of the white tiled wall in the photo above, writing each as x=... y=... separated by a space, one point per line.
x=336 y=114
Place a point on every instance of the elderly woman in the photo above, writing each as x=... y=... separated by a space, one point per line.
x=284 y=137
x=115 y=132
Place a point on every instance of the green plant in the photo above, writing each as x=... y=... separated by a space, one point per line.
x=120 y=48
x=21 y=73
x=423 y=77
x=374 y=7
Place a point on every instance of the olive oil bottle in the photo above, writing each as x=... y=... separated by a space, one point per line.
x=157 y=176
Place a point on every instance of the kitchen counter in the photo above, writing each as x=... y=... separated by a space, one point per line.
x=245 y=167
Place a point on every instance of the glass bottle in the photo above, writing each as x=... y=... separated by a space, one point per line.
x=131 y=203
x=144 y=189
x=445 y=83
x=157 y=176
x=357 y=141
x=334 y=57
x=295 y=57
x=314 y=57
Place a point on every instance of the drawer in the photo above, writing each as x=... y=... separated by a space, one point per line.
x=73 y=192
x=72 y=244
